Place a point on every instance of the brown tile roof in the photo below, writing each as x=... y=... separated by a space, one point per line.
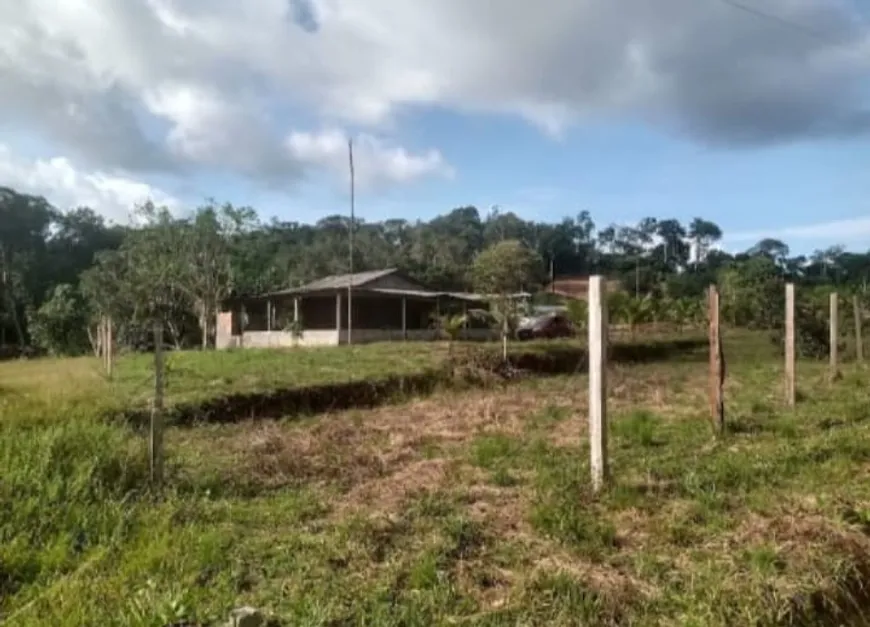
x=337 y=281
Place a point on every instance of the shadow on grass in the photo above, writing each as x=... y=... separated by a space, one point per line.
x=844 y=603
x=487 y=369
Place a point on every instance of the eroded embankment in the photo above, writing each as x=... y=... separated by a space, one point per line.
x=479 y=368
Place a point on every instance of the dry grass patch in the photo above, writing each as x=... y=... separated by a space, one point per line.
x=388 y=494
x=348 y=449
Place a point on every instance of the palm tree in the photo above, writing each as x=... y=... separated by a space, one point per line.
x=450 y=327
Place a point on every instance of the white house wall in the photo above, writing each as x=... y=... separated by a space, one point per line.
x=285 y=339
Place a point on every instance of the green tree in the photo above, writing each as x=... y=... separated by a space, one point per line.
x=206 y=258
x=703 y=234
x=752 y=293
x=25 y=223
x=773 y=249
x=60 y=325
x=142 y=283
x=502 y=270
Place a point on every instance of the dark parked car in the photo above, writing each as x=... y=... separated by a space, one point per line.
x=545 y=327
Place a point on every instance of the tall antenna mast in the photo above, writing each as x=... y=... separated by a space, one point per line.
x=350 y=242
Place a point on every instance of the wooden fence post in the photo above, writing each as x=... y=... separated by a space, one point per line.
x=598 y=383
x=859 y=338
x=717 y=364
x=834 y=337
x=789 y=345
x=156 y=448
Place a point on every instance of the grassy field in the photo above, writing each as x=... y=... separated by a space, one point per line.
x=52 y=386
x=462 y=508
x=48 y=389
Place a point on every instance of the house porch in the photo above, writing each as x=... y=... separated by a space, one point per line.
x=321 y=319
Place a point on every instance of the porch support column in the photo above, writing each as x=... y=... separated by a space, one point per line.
x=243 y=323
x=404 y=318
x=296 y=310
x=338 y=314
x=268 y=315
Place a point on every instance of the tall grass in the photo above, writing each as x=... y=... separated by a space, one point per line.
x=67 y=490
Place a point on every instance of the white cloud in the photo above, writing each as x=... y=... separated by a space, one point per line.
x=375 y=162
x=165 y=85
x=848 y=230
x=67 y=187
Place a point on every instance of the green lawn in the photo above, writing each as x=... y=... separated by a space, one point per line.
x=56 y=388
x=463 y=508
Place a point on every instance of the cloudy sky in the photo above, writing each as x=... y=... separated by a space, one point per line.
x=755 y=115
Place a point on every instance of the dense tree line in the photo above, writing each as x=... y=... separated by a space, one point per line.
x=61 y=269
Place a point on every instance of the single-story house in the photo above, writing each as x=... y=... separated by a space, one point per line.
x=385 y=305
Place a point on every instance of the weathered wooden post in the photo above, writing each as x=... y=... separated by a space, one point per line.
x=717 y=363
x=859 y=319
x=789 y=345
x=156 y=448
x=833 y=338
x=598 y=383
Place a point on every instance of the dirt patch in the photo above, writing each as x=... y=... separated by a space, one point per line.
x=800 y=532
x=503 y=510
x=334 y=451
x=388 y=494
x=612 y=583
x=349 y=450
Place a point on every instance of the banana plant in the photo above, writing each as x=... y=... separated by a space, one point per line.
x=685 y=312
x=633 y=311
x=578 y=313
